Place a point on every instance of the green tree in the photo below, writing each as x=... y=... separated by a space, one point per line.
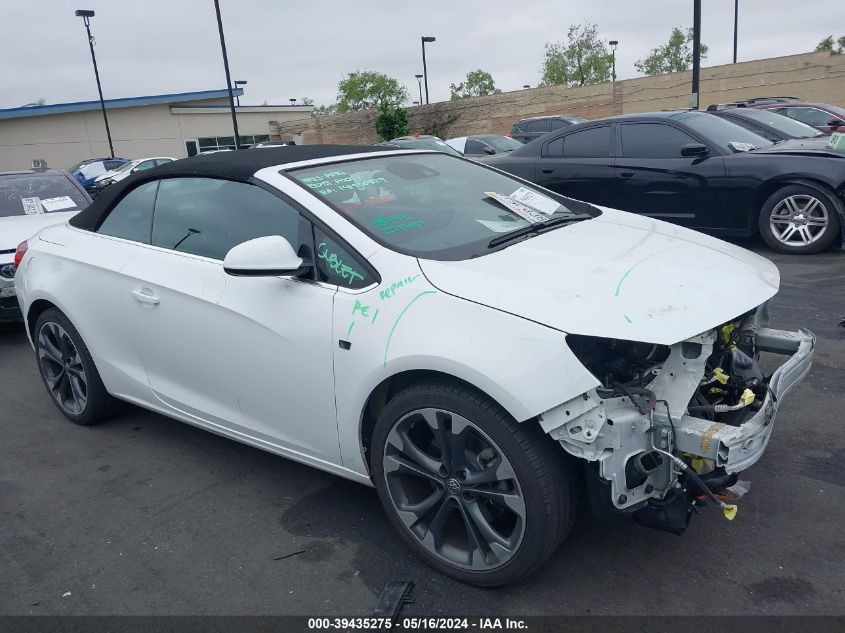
x=366 y=89
x=325 y=110
x=307 y=101
x=835 y=48
x=583 y=59
x=478 y=83
x=391 y=121
x=672 y=57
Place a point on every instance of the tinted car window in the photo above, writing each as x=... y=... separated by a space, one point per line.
x=474 y=147
x=810 y=116
x=132 y=217
x=728 y=136
x=26 y=194
x=208 y=217
x=748 y=125
x=554 y=148
x=147 y=164
x=541 y=125
x=337 y=265
x=590 y=143
x=113 y=164
x=557 y=124
x=653 y=140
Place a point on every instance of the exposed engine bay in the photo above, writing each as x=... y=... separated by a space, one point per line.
x=671 y=427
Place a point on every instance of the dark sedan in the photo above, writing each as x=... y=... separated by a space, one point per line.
x=697 y=170
x=768 y=124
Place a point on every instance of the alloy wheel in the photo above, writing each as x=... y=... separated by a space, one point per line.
x=799 y=220
x=62 y=368
x=453 y=489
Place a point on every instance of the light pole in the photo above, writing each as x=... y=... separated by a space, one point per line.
x=416 y=103
x=426 y=38
x=419 y=84
x=228 y=77
x=526 y=86
x=239 y=83
x=736 y=24
x=696 y=50
x=613 y=45
x=86 y=16
x=292 y=101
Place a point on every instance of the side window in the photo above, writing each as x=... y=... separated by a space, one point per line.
x=590 y=143
x=810 y=116
x=474 y=147
x=653 y=140
x=207 y=217
x=558 y=124
x=132 y=217
x=147 y=164
x=337 y=265
x=554 y=148
x=541 y=125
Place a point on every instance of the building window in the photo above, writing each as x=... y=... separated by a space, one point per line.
x=213 y=143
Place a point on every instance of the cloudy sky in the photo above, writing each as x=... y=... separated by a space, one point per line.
x=288 y=49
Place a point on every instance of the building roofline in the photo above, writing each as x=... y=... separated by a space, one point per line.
x=126 y=102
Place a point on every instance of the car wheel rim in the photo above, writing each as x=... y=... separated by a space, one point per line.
x=799 y=220
x=454 y=489
x=62 y=368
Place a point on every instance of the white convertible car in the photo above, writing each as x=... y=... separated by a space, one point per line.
x=480 y=350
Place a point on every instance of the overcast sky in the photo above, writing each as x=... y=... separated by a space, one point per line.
x=288 y=49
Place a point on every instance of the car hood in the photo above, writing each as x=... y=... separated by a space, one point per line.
x=802 y=146
x=17 y=228
x=617 y=276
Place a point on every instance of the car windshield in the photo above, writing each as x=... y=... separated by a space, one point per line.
x=730 y=137
x=432 y=205
x=791 y=128
x=426 y=143
x=501 y=143
x=126 y=166
x=39 y=193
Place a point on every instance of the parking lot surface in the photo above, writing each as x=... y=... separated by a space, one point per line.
x=144 y=515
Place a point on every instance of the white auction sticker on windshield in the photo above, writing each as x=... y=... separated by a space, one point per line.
x=535 y=200
x=741 y=147
x=57 y=204
x=31 y=206
x=522 y=210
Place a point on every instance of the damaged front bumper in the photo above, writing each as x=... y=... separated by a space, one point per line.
x=735 y=448
x=623 y=438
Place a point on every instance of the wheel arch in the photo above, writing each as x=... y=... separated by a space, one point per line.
x=768 y=188
x=385 y=390
x=36 y=309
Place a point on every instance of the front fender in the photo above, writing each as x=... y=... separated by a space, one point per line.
x=525 y=367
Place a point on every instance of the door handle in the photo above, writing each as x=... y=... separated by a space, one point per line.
x=145 y=295
x=547 y=171
x=626 y=174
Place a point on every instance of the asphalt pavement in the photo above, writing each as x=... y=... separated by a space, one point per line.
x=144 y=515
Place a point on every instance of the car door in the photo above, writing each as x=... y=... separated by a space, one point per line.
x=579 y=164
x=234 y=352
x=656 y=180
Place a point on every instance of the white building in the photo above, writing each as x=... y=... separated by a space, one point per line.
x=177 y=125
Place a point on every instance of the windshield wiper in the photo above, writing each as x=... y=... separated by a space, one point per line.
x=538 y=227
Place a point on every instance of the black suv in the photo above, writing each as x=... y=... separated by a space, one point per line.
x=528 y=129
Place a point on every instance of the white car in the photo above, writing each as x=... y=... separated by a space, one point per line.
x=31 y=200
x=479 y=349
x=483 y=144
x=126 y=170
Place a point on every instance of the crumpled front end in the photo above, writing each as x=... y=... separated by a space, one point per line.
x=672 y=425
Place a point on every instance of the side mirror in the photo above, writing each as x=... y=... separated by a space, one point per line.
x=694 y=149
x=134 y=170
x=835 y=123
x=489 y=150
x=270 y=256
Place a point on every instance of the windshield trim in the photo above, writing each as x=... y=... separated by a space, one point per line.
x=475 y=249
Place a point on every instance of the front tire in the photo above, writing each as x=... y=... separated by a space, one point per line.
x=799 y=219
x=68 y=371
x=475 y=494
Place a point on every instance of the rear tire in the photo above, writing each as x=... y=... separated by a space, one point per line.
x=800 y=219
x=491 y=507
x=68 y=371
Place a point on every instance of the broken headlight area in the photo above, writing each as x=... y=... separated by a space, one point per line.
x=672 y=426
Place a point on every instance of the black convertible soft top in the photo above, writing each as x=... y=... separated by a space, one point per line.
x=237 y=165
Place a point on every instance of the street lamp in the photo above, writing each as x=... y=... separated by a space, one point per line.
x=426 y=38
x=526 y=86
x=239 y=83
x=228 y=77
x=86 y=16
x=696 y=50
x=419 y=84
x=292 y=101
x=613 y=45
x=416 y=103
